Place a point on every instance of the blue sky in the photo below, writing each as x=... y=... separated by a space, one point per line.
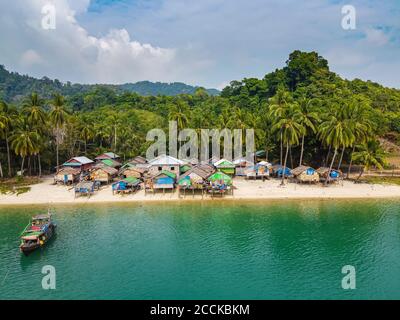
x=207 y=42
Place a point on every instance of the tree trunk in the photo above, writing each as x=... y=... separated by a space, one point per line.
x=327 y=156
x=361 y=173
x=284 y=166
x=22 y=166
x=291 y=158
x=1 y=171
x=341 y=159
x=85 y=148
x=57 y=148
x=351 y=162
x=281 y=148
x=302 y=150
x=330 y=168
x=115 y=138
x=8 y=157
x=40 y=166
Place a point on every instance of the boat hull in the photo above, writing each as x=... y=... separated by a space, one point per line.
x=28 y=249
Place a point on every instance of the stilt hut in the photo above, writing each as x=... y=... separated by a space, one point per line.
x=259 y=171
x=164 y=180
x=103 y=174
x=334 y=176
x=131 y=170
x=304 y=174
x=192 y=180
x=165 y=163
x=219 y=183
x=225 y=166
x=67 y=175
x=127 y=185
x=241 y=166
x=278 y=170
x=84 y=188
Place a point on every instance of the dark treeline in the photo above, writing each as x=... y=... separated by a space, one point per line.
x=302 y=114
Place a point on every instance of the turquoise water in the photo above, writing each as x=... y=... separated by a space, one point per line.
x=218 y=250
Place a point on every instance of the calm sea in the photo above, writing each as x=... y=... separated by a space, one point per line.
x=209 y=250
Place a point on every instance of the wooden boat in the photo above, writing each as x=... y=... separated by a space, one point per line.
x=37 y=233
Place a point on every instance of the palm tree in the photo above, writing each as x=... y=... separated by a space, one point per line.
x=278 y=108
x=308 y=119
x=6 y=119
x=291 y=130
x=86 y=132
x=369 y=155
x=32 y=108
x=362 y=126
x=25 y=140
x=335 y=131
x=178 y=112
x=37 y=117
x=58 y=117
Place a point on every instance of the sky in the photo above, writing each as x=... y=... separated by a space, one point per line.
x=203 y=42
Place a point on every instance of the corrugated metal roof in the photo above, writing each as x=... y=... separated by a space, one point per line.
x=166 y=160
x=83 y=160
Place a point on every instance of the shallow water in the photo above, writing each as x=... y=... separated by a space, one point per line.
x=213 y=250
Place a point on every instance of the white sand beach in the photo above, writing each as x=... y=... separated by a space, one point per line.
x=47 y=193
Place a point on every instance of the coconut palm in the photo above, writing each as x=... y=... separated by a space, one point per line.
x=7 y=115
x=58 y=117
x=362 y=126
x=277 y=111
x=25 y=140
x=336 y=131
x=291 y=130
x=33 y=109
x=308 y=118
x=178 y=112
x=369 y=155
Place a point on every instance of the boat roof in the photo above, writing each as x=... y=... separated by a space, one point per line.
x=41 y=217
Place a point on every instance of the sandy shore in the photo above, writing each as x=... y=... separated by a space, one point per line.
x=46 y=193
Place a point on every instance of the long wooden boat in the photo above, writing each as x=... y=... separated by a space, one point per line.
x=37 y=233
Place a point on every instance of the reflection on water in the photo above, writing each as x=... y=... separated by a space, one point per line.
x=214 y=250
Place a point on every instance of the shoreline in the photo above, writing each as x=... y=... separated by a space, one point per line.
x=45 y=193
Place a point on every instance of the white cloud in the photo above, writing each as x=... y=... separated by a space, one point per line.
x=70 y=53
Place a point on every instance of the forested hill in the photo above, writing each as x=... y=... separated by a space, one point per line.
x=14 y=86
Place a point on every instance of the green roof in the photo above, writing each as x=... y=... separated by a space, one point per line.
x=169 y=174
x=184 y=168
x=108 y=162
x=220 y=176
x=131 y=180
x=185 y=181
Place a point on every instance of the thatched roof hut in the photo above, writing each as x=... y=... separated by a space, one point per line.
x=324 y=171
x=277 y=171
x=103 y=173
x=305 y=174
x=85 y=188
x=130 y=170
x=164 y=180
x=195 y=178
x=67 y=175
